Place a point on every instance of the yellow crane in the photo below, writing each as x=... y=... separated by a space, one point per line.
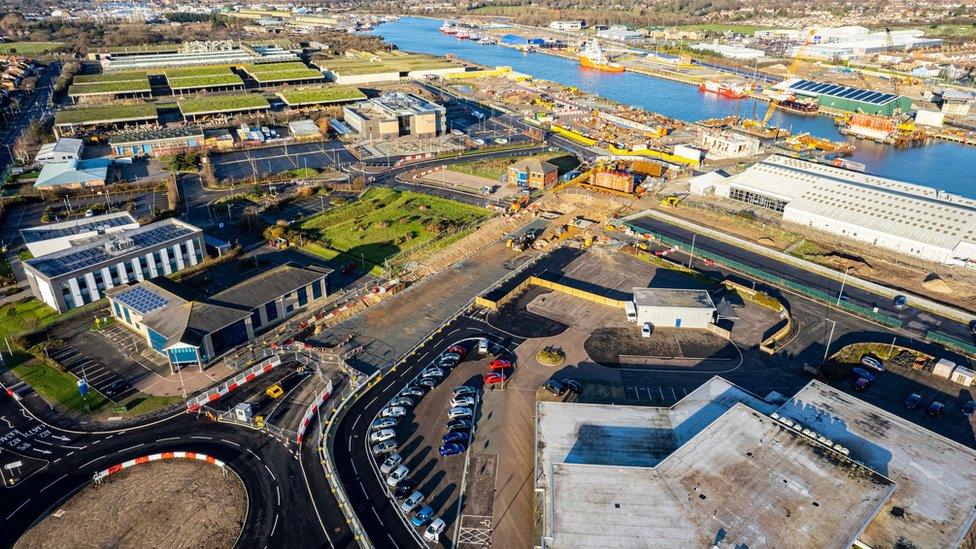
x=794 y=66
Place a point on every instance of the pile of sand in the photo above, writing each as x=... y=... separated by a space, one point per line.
x=842 y=261
x=934 y=283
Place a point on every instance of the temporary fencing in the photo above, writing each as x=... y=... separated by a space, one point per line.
x=312 y=409
x=99 y=475
x=194 y=404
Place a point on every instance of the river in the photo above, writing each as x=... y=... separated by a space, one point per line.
x=947 y=166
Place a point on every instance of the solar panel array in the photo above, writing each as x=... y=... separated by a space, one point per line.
x=35 y=235
x=142 y=300
x=843 y=92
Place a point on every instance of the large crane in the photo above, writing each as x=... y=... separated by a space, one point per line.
x=794 y=66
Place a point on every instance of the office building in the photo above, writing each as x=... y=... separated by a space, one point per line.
x=395 y=114
x=674 y=308
x=156 y=142
x=54 y=237
x=73 y=174
x=62 y=150
x=620 y=33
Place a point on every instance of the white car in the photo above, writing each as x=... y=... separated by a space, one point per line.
x=394 y=411
x=455 y=413
x=397 y=475
x=463 y=390
x=403 y=401
x=434 y=529
x=391 y=463
x=381 y=436
x=646 y=330
x=383 y=423
x=385 y=447
x=483 y=346
x=462 y=401
x=432 y=372
x=412 y=502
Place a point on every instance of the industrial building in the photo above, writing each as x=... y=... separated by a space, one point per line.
x=674 y=308
x=73 y=174
x=909 y=219
x=846 y=98
x=620 y=33
x=567 y=26
x=157 y=142
x=372 y=67
x=395 y=114
x=954 y=102
x=724 y=467
x=54 y=237
x=533 y=173
x=852 y=41
x=188 y=329
x=731 y=51
x=80 y=274
x=722 y=145
x=62 y=150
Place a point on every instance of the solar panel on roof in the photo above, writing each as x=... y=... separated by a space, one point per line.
x=142 y=299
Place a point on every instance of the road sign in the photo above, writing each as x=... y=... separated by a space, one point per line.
x=82 y=387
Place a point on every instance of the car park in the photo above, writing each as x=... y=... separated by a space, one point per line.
x=646 y=329
x=968 y=408
x=555 y=387
x=483 y=346
x=455 y=436
x=403 y=401
x=451 y=356
x=861 y=384
x=413 y=391
x=432 y=372
x=498 y=364
x=458 y=350
x=447 y=363
x=463 y=390
x=457 y=412
x=391 y=463
x=459 y=425
x=573 y=385
x=434 y=529
x=385 y=447
x=862 y=373
x=462 y=401
x=494 y=377
x=394 y=411
x=935 y=409
x=397 y=475
x=900 y=302
x=423 y=516
x=382 y=436
x=451 y=449
x=913 y=401
x=873 y=363
x=412 y=502
x=427 y=382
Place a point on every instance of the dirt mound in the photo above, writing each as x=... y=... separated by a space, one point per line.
x=843 y=261
x=766 y=240
x=934 y=283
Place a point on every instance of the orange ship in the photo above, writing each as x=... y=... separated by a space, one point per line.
x=591 y=56
x=724 y=89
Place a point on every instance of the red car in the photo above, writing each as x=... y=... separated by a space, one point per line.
x=457 y=349
x=494 y=377
x=350 y=267
x=498 y=364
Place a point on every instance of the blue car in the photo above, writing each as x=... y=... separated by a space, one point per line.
x=455 y=436
x=862 y=373
x=423 y=516
x=451 y=449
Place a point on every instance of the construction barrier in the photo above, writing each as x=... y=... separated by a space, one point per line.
x=314 y=407
x=573 y=136
x=194 y=404
x=487 y=303
x=650 y=153
x=99 y=475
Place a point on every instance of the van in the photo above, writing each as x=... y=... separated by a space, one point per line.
x=631 y=310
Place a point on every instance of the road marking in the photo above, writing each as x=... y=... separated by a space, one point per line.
x=378 y=519
x=201 y=438
x=133 y=447
x=253 y=454
x=275 y=525
x=278 y=493
x=354 y=469
x=166 y=439
x=38 y=450
x=270 y=473
x=53 y=482
x=43 y=442
x=96 y=442
x=230 y=442
x=357 y=421
x=7 y=421
x=18 y=509
x=92 y=461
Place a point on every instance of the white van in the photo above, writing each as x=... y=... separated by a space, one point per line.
x=631 y=310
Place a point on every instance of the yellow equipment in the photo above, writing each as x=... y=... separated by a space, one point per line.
x=259 y=421
x=670 y=201
x=275 y=391
x=794 y=66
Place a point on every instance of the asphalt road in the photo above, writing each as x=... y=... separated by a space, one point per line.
x=35 y=109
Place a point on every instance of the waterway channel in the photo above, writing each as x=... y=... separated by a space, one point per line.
x=947 y=166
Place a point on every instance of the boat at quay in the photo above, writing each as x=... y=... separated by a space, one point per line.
x=942 y=165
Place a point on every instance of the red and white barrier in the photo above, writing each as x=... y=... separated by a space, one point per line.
x=220 y=391
x=99 y=475
x=315 y=406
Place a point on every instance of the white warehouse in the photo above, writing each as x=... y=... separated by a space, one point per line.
x=674 y=308
x=909 y=219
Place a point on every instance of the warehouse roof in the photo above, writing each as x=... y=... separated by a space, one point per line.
x=934 y=504
x=155 y=135
x=73 y=172
x=809 y=87
x=670 y=297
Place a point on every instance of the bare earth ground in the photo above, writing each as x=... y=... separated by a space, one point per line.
x=174 y=503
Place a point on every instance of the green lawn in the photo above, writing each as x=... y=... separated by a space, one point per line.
x=106 y=113
x=54 y=386
x=285 y=76
x=24 y=315
x=317 y=96
x=29 y=48
x=384 y=223
x=203 y=70
x=495 y=168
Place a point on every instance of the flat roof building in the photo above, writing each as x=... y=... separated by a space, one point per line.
x=620 y=33
x=674 y=308
x=909 y=219
x=156 y=142
x=847 y=98
x=81 y=274
x=395 y=114
x=62 y=150
x=189 y=329
x=54 y=237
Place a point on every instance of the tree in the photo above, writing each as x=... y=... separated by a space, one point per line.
x=12 y=22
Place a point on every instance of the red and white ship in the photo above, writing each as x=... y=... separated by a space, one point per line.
x=725 y=89
x=449 y=27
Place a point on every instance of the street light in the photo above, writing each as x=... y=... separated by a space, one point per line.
x=830 y=337
x=843 y=281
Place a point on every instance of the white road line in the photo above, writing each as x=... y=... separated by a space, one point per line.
x=354 y=469
x=167 y=438
x=275 y=525
x=75 y=447
x=53 y=482
x=133 y=447
x=18 y=509
x=378 y=519
x=42 y=442
x=230 y=442
x=96 y=442
x=92 y=461
x=349 y=445
x=278 y=493
x=253 y=454
x=57 y=460
x=201 y=438
x=357 y=421
x=270 y=473
x=393 y=540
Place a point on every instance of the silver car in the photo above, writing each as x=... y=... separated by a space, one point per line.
x=385 y=447
x=383 y=423
x=382 y=436
x=391 y=463
x=412 y=502
x=457 y=412
x=394 y=411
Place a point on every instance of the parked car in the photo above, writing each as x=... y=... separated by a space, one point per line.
x=573 y=385
x=459 y=425
x=393 y=411
x=451 y=356
x=935 y=409
x=412 y=502
x=404 y=489
x=463 y=390
x=455 y=436
x=458 y=350
x=494 y=377
x=412 y=391
x=861 y=384
x=391 y=463
x=385 y=447
x=451 y=449
x=383 y=423
x=455 y=413
x=433 y=371
x=900 y=302
x=433 y=531
x=380 y=436
x=913 y=401
x=554 y=387
x=861 y=372
x=498 y=364
x=968 y=408
x=423 y=516
x=646 y=329
x=397 y=475
x=462 y=401
x=348 y=268
x=403 y=401
x=428 y=382
x=872 y=363
x=447 y=363
x=483 y=346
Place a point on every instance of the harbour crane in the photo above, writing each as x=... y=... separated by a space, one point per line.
x=794 y=66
